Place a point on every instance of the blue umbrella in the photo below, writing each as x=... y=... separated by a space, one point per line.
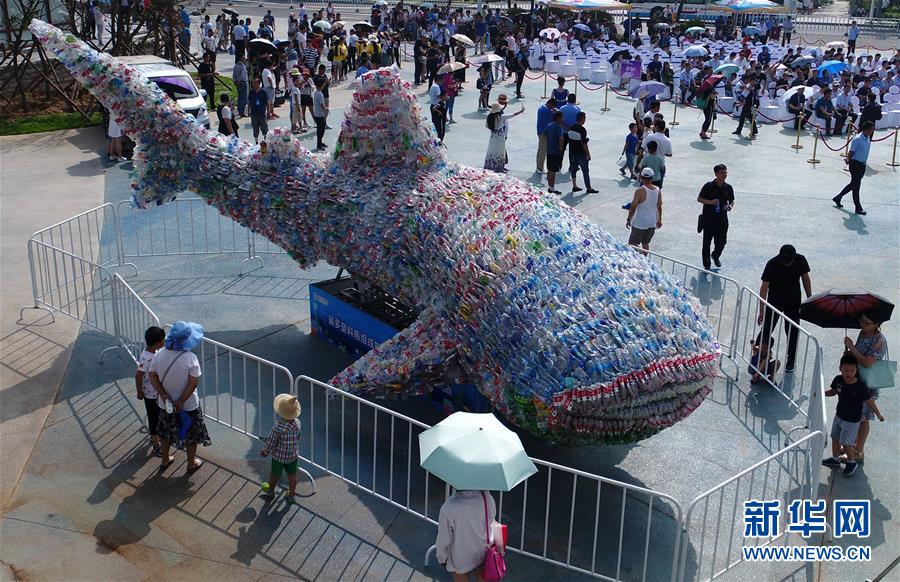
x=833 y=67
x=648 y=89
x=696 y=51
x=752 y=30
x=583 y=27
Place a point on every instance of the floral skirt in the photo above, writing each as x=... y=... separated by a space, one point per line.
x=169 y=429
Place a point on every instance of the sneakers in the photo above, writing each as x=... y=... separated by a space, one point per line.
x=576 y=189
x=592 y=191
x=289 y=500
x=266 y=491
x=626 y=206
x=552 y=191
x=622 y=171
x=837 y=202
x=717 y=261
x=831 y=462
x=157 y=452
x=850 y=468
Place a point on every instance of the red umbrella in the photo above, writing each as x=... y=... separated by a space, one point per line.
x=710 y=82
x=838 y=308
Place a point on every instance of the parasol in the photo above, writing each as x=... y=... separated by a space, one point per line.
x=842 y=308
x=463 y=40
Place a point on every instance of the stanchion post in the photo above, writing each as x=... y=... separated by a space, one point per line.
x=797 y=145
x=545 y=85
x=712 y=126
x=846 y=151
x=813 y=160
x=606 y=98
x=576 y=87
x=894 y=162
x=674 y=111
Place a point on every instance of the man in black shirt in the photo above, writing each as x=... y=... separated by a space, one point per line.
x=780 y=287
x=579 y=154
x=207 y=73
x=717 y=198
x=852 y=392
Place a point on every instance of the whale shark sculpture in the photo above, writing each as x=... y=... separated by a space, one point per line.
x=569 y=333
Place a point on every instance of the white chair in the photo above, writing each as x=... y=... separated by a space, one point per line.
x=551 y=66
x=567 y=69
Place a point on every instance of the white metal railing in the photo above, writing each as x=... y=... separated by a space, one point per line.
x=376 y=449
x=794 y=351
x=719 y=296
x=90 y=235
x=184 y=227
x=131 y=318
x=789 y=474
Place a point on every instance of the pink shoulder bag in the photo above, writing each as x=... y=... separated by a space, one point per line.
x=494 y=563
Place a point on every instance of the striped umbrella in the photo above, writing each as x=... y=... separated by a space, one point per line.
x=748 y=6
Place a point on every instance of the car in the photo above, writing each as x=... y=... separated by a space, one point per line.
x=177 y=84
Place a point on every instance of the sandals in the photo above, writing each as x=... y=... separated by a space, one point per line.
x=165 y=466
x=195 y=467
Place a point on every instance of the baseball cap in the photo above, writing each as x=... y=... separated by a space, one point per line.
x=647 y=173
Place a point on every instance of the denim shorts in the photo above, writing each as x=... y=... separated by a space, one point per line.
x=844 y=432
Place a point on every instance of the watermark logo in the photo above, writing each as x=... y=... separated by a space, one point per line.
x=763 y=519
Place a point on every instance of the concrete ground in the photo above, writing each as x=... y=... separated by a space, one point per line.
x=90 y=489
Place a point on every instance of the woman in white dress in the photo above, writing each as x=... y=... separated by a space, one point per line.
x=497 y=122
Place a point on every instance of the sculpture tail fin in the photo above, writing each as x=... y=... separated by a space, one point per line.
x=385 y=125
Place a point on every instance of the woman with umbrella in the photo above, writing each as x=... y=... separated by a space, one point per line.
x=869 y=347
x=706 y=100
x=837 y=308
x=475 y=454
x=497 y=122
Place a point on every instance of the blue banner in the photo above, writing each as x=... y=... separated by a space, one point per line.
x=343 y=325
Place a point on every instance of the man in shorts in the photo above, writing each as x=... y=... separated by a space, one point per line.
x=645 y=213
x=555 y=149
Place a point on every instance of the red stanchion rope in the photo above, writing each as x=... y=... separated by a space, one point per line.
x=534 y=78
x=888 y=136
x=825 y=143
x=582 y=83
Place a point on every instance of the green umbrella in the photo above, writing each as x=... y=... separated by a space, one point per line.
x=727 y=69
x=474 y=452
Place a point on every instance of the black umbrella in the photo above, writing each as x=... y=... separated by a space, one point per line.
x=842 y=308
x=620 y=54
x=230 y=12
x=259 y=46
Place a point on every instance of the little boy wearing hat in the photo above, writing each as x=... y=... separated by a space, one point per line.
x=283 y=445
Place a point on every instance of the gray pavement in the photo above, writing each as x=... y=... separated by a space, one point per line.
x=211 y=525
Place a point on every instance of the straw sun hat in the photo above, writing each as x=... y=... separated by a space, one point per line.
x=287 y=406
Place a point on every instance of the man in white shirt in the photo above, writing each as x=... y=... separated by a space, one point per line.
x=320 y=115
x=352 y=41
x=268 y=84
x=664 y=144
x=239 y=36
x=843 y=108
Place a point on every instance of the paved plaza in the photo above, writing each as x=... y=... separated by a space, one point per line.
x=81 y=496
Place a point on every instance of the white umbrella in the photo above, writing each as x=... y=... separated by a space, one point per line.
x=451 y=67
x=463 y=39
x=491 y=58
x=836 y=44
x=323 y=24
x=809 y=91
x=550 y=33
x=379 y=3
x=474 y=452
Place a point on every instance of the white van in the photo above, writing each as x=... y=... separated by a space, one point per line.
x=176 y=83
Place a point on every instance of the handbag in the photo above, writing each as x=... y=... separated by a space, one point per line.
x=494 y=568
x=880 y=374
x=699 y=223
x=621 y=162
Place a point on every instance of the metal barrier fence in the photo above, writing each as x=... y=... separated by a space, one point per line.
x=186 y=226
x=789 y=474
x=719 y=296
x=91 y=235
x=792 y=363
x=131 y=318
x=560 y=515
